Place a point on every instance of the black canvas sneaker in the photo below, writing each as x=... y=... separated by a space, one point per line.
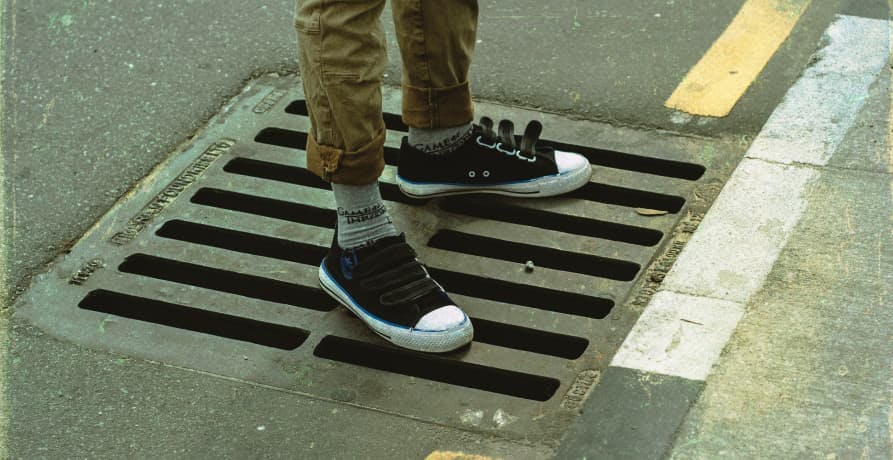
x=490 y=162
x=386 y=287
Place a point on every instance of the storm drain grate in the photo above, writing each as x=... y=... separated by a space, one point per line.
x=212 y=263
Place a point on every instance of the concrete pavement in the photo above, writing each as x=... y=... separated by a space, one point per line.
x=807 y=372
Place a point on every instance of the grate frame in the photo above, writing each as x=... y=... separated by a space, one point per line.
x=142 y=248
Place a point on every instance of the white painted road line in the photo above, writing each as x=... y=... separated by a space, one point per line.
x=821 y=107
x=731 y=253
x=679 y=335
x=687 y=323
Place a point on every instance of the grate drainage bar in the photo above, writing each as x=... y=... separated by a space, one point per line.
x=527 y=339
x=584 y=264
x=514 y=214
x=491 y=332
x=194 y=319
x=300 y=176
x=437 y=368
x=601 y=193
x=322 y=217
x=459 y=283
x=256 y=287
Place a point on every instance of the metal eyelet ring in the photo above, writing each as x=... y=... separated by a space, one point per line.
x=486 y=173
x=471 y=174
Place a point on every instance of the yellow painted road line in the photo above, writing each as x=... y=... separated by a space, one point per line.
x=714 y=85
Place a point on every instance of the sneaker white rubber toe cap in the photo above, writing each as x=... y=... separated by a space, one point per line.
x=442 y=319
x=568 y=161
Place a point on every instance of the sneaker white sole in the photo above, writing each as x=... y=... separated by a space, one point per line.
x=556 y=184
x=413 y=339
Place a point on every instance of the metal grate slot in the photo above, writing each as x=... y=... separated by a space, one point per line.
x=282 y=138
x=630 y=162
x=527 y=339
x=298 y=140
x=227 y=281
x=194 y=319
x=267 y=207
x=557 y=259
x=523 y=294
x=300 y=176
x=458 y=283
x=600 y=193
x=320 y=217
x=602 y=157
x=248 y=243
x=630 y=197
x=494 y=333
x=437 y=368
x=504 y=212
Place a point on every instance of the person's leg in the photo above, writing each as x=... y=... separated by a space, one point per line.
x=342 y=57
x=444 y=152
x=436 y=39
x=369 y=268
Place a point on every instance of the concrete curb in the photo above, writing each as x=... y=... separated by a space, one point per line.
x=662 y=365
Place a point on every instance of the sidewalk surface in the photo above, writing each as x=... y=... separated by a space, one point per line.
x=808 y=371
x=95 y=94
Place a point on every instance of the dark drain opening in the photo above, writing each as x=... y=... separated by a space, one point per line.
x=437 y=368
x=267 y=207
x=282 y=138
x=599 y=193
x=320 y=217
x=226 y=281
x=248 y=243
x=516 y=337
x=298 y=140
x=454 y=282
x=553 y=221
x=630 y=162
x=522 y=294
x=300 y=176
x=630 y=197
x=527 y=339
x=557 y=259
x=194 y=319
x=603 y=157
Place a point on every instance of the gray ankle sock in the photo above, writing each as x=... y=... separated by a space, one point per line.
x=437 y=141
x=362 y=216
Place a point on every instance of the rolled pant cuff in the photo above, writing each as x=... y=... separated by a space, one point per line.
x=437 y=107
x=360 y=167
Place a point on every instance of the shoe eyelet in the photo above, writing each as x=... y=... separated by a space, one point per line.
x=489 y=146
x=531 y=159
x=486 y=173
x=507 y=152
x=471 y=174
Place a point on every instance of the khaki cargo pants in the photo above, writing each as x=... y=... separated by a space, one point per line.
x=342 y=55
